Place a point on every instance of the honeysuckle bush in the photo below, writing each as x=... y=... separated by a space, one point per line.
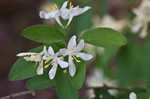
x=60 y=61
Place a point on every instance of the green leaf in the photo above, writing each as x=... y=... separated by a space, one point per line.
x=22 y=70
x=104 y=37
x=43 y=34
x=64 y=87
x=78 y=79
x=40 y=82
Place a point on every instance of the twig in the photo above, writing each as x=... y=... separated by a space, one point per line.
x=109 y=88
x=18 y=94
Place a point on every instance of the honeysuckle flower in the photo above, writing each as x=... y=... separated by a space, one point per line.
x=132 y=95
x=53 y=13
x=142 y=19
x=69 y=13
x=34 y=57
x=73 y=51
x=64 y=12
x=54 y=61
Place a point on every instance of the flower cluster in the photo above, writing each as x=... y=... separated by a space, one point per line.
x=142 y=18
x=64 y=12
x=52 y=60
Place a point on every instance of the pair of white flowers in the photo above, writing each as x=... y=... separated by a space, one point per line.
x=64 y=12
x=142 y=18
x=49 y=57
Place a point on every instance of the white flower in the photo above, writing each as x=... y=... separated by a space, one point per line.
x=132 y=95
x=64 y=12
x=69 y=13
x=55 y=61
x=53 y=13
x=142 y=18
x=34 y=57
x=73 y=51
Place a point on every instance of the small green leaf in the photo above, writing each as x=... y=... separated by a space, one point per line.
x=64 y=87
x=40 y=82
x=22 y=70
x=104 y=37
x=43 y=34
x=78 y=79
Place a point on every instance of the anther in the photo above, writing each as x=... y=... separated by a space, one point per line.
x=77 y=56
x=54 y=7
x=48 y=10
x=76 y=59
x=71 y=5
x=47 y=60
x=46 y=66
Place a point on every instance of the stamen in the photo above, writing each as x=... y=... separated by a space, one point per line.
x=46 y=66
x=53 y=66
x=48 y=10
x=71 y=5
x=77 y=56
x=78 y=61
x=54 y=7
x=48 y=59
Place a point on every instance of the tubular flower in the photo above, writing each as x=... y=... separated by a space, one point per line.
x=64 y=12
x=34 y=57
x=69 y=13
x=73 y=51
x=54 y=61
x=142 y=19
x=132 y=95
x=53 y=13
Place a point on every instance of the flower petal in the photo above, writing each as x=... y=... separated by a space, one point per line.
x=86 y=8
x=52 y=71
x=64 y=5
x=80 y=46
x=45 y=56
x=72 y=43
x=54 y=14
x=85 y=56
x=26 y=54
x=62 y=63
x=76 y=11
x=50 y=51
x=132 y=95
x=39 y=70
x=44 y=15
x=63 y=51
x=72 y=68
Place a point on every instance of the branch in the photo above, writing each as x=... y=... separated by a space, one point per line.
x=109 y=88
x=18 y=94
